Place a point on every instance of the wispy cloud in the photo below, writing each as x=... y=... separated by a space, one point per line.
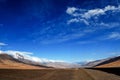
x=84 y=15
x=109 y=25
x=92 y=19
x=114 y=35
x=115 y=53
x=73 y=20
x=2 y=44
x=88 y=23
x=86 y=42
x=58 y=33
x=63 y=38
x=87 y=14
x=98 y=12
x=76 y=20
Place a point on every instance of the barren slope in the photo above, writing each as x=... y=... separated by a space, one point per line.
x=115 y=62
x=112 y=64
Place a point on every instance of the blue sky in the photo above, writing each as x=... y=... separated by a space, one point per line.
x=68 y=30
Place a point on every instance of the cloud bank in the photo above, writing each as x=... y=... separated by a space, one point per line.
x=84 y=15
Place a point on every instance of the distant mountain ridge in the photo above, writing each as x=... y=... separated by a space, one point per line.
x=48 y=64
x=108 y=62
x=112 y=62
x=8 y=61
x=18 y=58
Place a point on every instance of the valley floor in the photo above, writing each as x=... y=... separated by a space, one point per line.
x=56 y=74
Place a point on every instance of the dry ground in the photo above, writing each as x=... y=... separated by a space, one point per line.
x=56 y=74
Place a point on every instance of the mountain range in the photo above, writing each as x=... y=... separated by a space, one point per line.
x=8 y=61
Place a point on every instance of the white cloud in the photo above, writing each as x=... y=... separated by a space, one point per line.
x=82 y=15
x=109 y=25
x=75 y=20
x=2 y=44
x=84 y=21
x=28 y=56
x=92 y=13
x=71 y=10
x=114 y=35
x=98 y=12
x=108 y=8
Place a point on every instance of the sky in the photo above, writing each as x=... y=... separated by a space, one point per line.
x=66 y=30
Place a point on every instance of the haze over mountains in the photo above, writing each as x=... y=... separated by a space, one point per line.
x=20 y=59
x=9 y=61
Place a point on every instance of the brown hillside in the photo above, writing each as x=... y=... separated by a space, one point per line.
x=115 y=62
x=8 y=62
x=112 y=64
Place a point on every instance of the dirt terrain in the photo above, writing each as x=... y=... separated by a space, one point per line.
x=56 y=74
